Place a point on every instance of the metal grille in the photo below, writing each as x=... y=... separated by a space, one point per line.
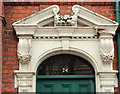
x=65 y=64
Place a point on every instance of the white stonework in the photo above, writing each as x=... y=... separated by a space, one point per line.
x=107 y=81
x=24 y=50
x=24 y=80
x=84 y=33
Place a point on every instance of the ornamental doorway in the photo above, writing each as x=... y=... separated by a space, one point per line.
x=65 y=73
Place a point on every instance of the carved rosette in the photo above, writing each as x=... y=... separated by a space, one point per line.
x=24 y=51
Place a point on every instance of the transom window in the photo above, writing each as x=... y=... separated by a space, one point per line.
x=65 y=64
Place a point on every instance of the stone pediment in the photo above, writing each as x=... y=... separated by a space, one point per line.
x=79 y=18
x=84 y=17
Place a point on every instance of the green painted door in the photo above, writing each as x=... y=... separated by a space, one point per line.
x=65 y=85
x=65 y=73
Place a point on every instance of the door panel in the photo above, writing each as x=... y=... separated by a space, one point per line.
x=48 y=87
x=87 y=85
x=65 y=87
x=68 y=86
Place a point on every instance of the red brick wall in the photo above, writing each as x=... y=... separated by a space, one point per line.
x=17 y=11
x=1 y=44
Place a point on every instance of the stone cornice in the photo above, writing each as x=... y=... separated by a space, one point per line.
x=29 y=25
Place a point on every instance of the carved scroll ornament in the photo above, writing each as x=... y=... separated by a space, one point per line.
x=65 y=20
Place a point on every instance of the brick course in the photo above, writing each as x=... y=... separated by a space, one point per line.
x=17 y=11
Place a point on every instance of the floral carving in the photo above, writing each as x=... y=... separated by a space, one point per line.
x=106 y=47
x=24 y=50
x=107 y=57
x=65 y=20
x=24 y=58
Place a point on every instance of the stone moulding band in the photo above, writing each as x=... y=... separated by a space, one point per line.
x=75 y=37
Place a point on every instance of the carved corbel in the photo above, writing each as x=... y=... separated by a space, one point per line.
x=106 y=47
x=24 y=50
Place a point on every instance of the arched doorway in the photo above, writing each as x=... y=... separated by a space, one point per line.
x=65 y=73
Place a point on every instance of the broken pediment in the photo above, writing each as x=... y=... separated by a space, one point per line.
x=80 y=17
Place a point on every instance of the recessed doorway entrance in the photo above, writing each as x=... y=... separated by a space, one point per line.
x=65 y=73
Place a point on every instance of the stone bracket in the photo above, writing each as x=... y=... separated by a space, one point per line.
x=106 y=47
x=24 y=49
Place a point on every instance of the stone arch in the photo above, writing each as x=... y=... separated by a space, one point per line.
x=72 y=51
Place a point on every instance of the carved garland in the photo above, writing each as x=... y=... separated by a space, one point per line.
x=24 y=51
x=24 y=58
x=107 y=57
x=106 y=46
